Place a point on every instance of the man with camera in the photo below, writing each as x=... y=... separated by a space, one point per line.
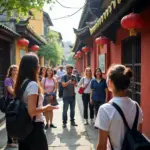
x=69 y=82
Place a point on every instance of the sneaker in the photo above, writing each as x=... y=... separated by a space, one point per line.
x=73 y=124
x=86 y=122
x=46 y=127
x=92 y=121
x=52 y=126
x=64 y=125
x=12 y=145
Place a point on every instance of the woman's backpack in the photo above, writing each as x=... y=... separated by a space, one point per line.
x=18 y=122
x=133 y=140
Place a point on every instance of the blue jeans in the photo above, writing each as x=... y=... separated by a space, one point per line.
x=68 y=101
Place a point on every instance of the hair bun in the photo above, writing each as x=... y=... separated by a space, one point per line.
x=128 y=72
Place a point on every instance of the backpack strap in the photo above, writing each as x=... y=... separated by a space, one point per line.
x=23 y=88
x=135 y=124
x=121 y=114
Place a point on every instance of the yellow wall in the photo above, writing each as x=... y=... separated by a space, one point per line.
x=41 y=61
x=37 y=21
x=18 y=52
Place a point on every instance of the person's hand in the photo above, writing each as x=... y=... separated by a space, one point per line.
x=91 y=102
x=69 y=82
x=50 y=107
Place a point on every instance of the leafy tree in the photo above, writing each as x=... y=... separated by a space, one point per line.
x=52 y=52
x=21 y=7
x=70 y=59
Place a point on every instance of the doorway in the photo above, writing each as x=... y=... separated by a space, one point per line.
x=131 y=57
x=4 y=62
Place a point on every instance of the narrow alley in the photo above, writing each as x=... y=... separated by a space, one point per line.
x=71 y=138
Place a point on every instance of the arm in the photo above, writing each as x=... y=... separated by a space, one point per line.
x=56 y=85
x=80 y=82
x=103 y=123
x=64 y=83
x=10 y=90
x=102 y=140
x=91 y=97
x=33 y=110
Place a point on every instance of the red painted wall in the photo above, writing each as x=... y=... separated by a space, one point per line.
x=145 y=71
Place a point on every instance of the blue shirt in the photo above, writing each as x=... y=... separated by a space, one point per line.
x=99 y=93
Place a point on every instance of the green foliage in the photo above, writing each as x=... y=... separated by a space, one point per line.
x=52 y=52
x=21 y=7
x=70 y=59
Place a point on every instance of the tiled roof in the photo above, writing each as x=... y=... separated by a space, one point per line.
x=105 y=15
x=8 y=29
x=37 y=35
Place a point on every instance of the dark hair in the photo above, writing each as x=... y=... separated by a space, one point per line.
x=27 y=70
x=97 y=69
x=49 y=68
x=54 y=71
x=41 y=69
x=120 y=76
x=9 y=72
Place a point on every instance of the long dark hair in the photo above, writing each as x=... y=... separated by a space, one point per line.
x=9 y=72
x=27 y=70
x=98 y=69
x=41 y=69
x=49 y=68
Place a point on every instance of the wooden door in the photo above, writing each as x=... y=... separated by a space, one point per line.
x=4 y=62
x=131 y=57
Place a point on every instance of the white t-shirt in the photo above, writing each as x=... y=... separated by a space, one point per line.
x=108 y=119
x=60 y=74
x=31 y=89
x=85 y=81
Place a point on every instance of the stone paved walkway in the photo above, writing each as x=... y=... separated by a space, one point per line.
x=71 y=138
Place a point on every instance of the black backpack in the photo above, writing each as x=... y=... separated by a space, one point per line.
x=133 y=139
x=18 y=122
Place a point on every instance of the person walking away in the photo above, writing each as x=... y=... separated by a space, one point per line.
x=49 y=84
x=28 y=70
x=42 y=73
x=9 y=85
x=69 y=82
x=60 y=72
x=108 y=120
x=85 y=83
x=99 y=90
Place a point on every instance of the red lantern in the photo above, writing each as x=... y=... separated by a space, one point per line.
x=101 y=41
x=85 y=49
x=132 y=22
x=35 y=48
x=23 y=42
x=76 y=57
x=79 y=54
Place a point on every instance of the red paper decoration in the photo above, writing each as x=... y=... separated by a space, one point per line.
x=35 y=48
x=85 y=49
x=79 y=54
x=102 y=41
x=132 y=22
x=23 y=42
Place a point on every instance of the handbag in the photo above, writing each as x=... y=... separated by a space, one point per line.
x=81 y=89
x=4 y=100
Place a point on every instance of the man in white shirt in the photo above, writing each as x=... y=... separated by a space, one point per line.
x=60 y=72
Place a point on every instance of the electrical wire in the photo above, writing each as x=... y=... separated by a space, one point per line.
x=66 y=6
x=88 y=4
x=67 y=16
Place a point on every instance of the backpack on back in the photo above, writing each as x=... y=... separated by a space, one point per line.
x=18 y=122
x=133 y=139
